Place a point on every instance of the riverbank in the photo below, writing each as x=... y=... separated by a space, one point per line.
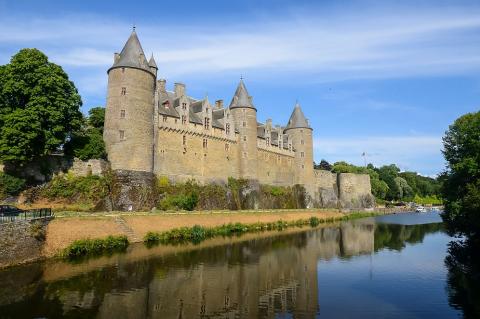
x=70 y=226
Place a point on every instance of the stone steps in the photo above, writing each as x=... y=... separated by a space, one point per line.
x=132 y=237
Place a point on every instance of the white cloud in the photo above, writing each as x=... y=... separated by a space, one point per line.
x=371 y=43
x=417 y=153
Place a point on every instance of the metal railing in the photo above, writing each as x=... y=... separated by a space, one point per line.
x=40 y=213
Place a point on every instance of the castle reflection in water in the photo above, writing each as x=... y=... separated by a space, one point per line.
x=252 y=277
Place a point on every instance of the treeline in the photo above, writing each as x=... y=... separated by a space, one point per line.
x=390 y=184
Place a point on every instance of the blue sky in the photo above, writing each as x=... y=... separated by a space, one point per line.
x=381 y=77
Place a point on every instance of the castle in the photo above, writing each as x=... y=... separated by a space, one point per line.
x=151 y=130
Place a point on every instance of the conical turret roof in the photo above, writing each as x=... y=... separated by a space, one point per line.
x=152 y=62
x=297 y=119
x=132 y=55
x=241 y=97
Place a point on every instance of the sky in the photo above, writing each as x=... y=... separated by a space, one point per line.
x=384 y=78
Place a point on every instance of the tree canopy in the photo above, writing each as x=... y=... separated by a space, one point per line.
x=461 y=189
x=87 y=142
x=39 y=107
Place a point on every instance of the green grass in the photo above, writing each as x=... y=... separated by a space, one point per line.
x=197 y=233
x=90 y=247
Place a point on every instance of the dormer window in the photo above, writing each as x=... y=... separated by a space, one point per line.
x=184 y=106
x=184 y=119
x=227 y=129
x=267 y=139
x=206 y=123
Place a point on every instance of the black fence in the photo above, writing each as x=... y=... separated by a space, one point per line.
x=41 y=213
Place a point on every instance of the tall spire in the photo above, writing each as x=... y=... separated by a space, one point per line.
x=132 y=54
x=241 y=97
x=297 y=119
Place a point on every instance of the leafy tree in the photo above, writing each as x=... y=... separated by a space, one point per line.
x=323 y=165
x=96 y=117
x=388 y=173
x=87 y=142
x=39 y=107
x=461 y=189
x=10 y=185
x=404 y=190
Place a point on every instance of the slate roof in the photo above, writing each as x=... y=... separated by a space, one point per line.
x=152 y=62
x=297 y=119
x=132 y=55
x=241 y=97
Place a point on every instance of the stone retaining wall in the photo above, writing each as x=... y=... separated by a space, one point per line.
x=22 y=241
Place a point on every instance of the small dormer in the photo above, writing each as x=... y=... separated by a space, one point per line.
x=182 y=105
x=207 y=114
x=268 y=132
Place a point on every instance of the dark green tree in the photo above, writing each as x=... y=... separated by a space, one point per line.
x=87 y=142
x=39 y=107
x=323 y=165
x=388 y=173
x=461 y=188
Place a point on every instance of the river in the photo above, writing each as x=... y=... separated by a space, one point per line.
x=384 y=267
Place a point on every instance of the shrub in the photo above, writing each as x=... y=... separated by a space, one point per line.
x=314 y=221
x=76 y=188
x=10 y=185
x=86 y=247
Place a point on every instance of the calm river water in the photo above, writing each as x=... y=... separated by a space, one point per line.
x=385 y=267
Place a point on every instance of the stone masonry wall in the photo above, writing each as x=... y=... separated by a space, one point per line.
x=355 y=191
x=21 y=241
x=180 y=162
x=326 y=189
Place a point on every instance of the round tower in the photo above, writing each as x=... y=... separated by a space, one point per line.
x=245 y=119
x=129 y=127
x=300 y=133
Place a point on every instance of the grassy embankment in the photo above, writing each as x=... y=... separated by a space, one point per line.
x=198 y=233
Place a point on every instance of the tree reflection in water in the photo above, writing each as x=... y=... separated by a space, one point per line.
x=463 y=283
x=261 y=277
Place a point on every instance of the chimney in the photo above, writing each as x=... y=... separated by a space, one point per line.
x=161 y=85
x=116 y=57
x=179 y=89
x=219 y=104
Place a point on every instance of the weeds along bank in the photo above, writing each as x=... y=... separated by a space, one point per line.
x=97 y=193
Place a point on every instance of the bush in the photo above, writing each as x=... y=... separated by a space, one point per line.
x=183 y=202
x=10 y=185
x=76 y=188
x=86 y=247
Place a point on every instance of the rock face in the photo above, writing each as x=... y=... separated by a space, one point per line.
x=132 y=190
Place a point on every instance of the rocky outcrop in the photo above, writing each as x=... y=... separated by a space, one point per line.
x=131 y=191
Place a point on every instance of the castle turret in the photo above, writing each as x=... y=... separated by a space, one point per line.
x=300 y=133
x=245 y=117
x=129 y=132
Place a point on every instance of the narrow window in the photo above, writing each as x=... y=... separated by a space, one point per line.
x=267 y=141
x=244 y=138
x=302 y=142
x=122 y=135
x=184 y=140
x=303 y=166
x=206 y=123
x=244 y=124
x=227 y=128
x=164 y=118
x=176 y=120
x=123 y=70
x=205 y=143
x=122 y=114
x=184 y=119
x=184 y=106
x=124 y=90
x=227 y=147
x=302 y=154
